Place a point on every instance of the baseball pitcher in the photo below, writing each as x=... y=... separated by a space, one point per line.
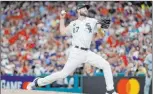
x=82 y=31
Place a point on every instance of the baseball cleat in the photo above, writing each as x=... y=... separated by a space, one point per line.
x=33 y=84
x=111 y=92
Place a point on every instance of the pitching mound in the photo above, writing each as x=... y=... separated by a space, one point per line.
x=19 y=91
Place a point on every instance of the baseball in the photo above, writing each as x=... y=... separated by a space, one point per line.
x=63 y=12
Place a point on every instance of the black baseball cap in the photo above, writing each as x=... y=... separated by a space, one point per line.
x=82 y=5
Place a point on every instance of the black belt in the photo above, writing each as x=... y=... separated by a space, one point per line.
x=81 y=48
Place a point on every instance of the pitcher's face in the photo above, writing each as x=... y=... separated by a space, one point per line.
x=83 y=11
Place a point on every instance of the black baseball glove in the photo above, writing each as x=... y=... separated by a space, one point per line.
x=105 y=22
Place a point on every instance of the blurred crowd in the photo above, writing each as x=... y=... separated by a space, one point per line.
x=31 y=43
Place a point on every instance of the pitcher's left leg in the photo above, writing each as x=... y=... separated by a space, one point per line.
x=101 y=63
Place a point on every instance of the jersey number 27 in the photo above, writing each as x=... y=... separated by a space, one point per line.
x=75 y=29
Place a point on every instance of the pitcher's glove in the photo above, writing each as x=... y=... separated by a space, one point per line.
x=105 y=22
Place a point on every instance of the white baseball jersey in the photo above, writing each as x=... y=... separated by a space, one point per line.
x=82 y=31
x=148 y=60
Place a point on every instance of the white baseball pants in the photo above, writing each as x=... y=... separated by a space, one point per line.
x=76 y=58
x=147 y=83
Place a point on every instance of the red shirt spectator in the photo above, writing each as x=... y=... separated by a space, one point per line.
x=104 y=11
x=13 y=39
x=34 y=30
x=124 y=59
x=120 y=10
x=6 y=31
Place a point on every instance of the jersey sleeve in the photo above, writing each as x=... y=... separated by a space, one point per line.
x=95 y=22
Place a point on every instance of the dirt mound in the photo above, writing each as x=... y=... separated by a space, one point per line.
x=19 y=91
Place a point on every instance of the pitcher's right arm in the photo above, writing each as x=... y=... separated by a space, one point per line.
x=63 y=28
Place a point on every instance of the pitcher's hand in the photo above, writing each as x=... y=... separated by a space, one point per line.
x=62 y=14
